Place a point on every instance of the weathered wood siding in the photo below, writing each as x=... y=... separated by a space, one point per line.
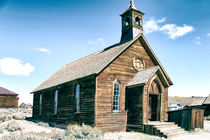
x=121 y=69
x=7 y=101
x=66 y=112
x=189 y=118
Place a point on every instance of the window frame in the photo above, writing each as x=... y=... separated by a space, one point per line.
x=77 y=98
x=56 y=103
x=116 y=96
x=40 y=104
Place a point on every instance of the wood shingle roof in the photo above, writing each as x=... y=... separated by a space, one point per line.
x=93 y=64
x=143 y=76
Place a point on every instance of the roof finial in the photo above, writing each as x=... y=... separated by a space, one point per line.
x=132 y=5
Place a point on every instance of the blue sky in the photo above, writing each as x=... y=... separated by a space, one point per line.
x=38 y=37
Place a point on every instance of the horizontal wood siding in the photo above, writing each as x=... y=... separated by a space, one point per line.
x=120 y=69
x=7 y=101
x=66 y=112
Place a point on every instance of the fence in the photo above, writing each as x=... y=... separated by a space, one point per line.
x=188 y=118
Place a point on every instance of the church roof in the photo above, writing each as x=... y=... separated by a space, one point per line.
x=143 y=76
x=4 y=91
x=94 y=64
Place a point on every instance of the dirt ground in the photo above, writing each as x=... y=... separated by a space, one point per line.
x=200 y=134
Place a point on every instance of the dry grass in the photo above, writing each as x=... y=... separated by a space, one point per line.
x=73 y=132
x=84 y=132
x=12 y=126
x=34 y=136
x=14 y=114
x=43 y=124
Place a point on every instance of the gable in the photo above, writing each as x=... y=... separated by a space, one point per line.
x=138 y=49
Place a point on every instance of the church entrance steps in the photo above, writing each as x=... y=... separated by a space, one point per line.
x=163 y=129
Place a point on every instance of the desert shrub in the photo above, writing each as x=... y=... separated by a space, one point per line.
x=57 y=135
x=18 y=116
x=83 y=132
x=27 y=111
x=12 y=126
x=26 y=136
x=54 y=135
x=1 y=129
x=5 y=117
x=43 y=124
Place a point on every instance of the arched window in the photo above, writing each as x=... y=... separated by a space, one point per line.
x=116 y=97
x=40 y=104
x=56 y=102
x=77 y=98
x=138 y=21
x=154 y=88
x=127 y=21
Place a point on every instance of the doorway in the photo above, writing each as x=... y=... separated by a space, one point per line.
x=153 y=111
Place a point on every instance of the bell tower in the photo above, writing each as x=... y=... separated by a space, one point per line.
x=132 y=23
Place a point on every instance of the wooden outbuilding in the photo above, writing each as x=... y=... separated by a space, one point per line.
x=117 y=87
x=8 y=99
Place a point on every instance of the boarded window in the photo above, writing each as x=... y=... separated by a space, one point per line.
x=116 y=97
x=40 y=104
x=56 y=102
x=77 y=98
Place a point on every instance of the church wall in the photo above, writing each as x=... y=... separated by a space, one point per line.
x=120 y=69
x=66 y=103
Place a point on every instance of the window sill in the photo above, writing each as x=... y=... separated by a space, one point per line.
x=77 y=113
x=118 y=111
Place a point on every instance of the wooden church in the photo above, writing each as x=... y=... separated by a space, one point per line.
x=119 y=86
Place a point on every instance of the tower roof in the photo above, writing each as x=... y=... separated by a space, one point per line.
x=132 y=5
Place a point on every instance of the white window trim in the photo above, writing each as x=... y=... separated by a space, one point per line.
x=77 y=98
x=56 y=103
x=40 y=104
x=118 y=106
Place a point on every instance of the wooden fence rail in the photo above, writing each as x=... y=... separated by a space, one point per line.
x=188 y=118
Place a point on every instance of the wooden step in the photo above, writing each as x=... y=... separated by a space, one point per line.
x=176 y=133
x=164 y=129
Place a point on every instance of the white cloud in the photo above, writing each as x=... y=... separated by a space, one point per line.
x=43 y=50
x=208 y=34
x=99 y=41
x=197 y=41
x=152 y=25
x=172 y=30
x=13 y=66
